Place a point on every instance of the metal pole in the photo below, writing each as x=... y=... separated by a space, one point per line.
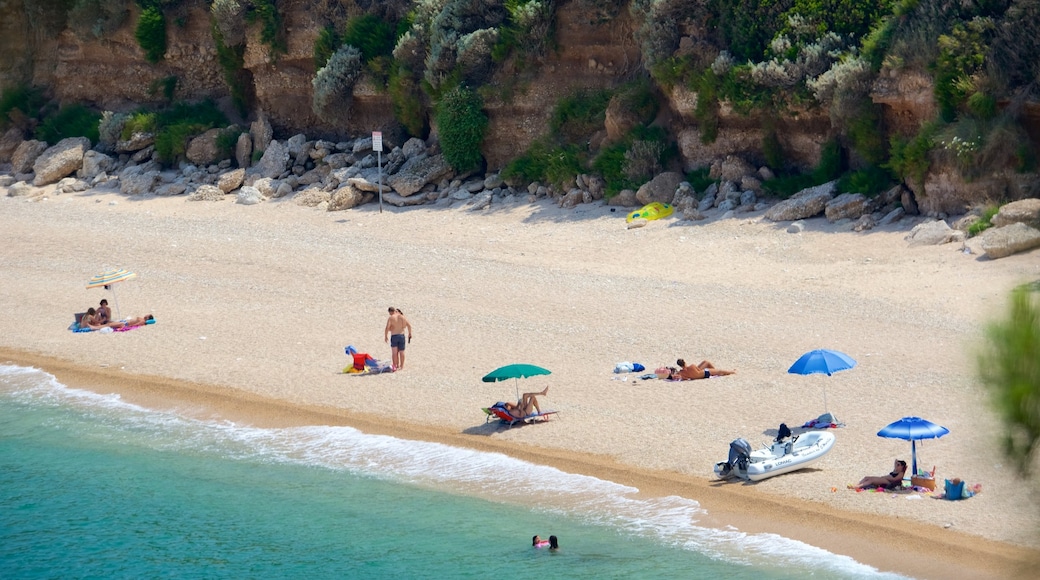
x=379 y=158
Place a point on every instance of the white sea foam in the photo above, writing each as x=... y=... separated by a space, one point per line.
x=492 y=476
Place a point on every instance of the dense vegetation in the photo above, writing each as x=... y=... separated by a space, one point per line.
x=439 y=60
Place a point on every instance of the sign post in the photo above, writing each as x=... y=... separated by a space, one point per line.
x=377 y=145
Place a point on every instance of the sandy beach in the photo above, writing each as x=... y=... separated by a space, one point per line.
x=254 y=305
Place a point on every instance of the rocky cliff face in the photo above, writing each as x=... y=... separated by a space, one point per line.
x=111 y=73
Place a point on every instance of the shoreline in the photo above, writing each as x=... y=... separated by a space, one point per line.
x=888 y=544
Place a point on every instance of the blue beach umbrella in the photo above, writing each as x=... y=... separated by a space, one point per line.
x=515 y=371
x=913 y=429
x=822 y=361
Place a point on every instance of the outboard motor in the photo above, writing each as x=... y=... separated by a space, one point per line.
x=739 y=454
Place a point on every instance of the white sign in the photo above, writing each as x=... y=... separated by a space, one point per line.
x=377 y=141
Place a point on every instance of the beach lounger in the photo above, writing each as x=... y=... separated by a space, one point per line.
x=499 y=412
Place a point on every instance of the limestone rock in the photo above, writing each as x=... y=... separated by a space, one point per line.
x=262 y=133
x=274 y=161
x=231 y=180
x=312 y=197
x=10 y=141
x=266 y=186
x=207 y=193
x=492 y=181
x=932 y=234
x=1026 y=211
x=733 y=168
x=413 y=147
x=661 y=188
x=1011 y=239
x=417 y=172
x=846 y=206
x=397 y=200
x=480 y=202
x=365 y=185
x=136 y=142
x=345 y=197
x=20 y=189
x=624 y=198
x=136 y=180
x=571 y=199
x=248 y=196
x=25 y=155
x=170 y=189
x=802 y=205
x=244 y=150
x=203 y=150
x=94 y=163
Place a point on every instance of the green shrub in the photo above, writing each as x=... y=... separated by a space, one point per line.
x=325 y=46
x=638 y=98
x=334 y=83
x=266 y=13
x=576 y=117
x=830 y=165
x=962 y=54
x=140 y=122
x=707 y=109
x=563 y=164
x=461 y=123
x=610 y=164
x=700 y=179
x=227 y=140
x=110 y=128
x=772 y=150
x=19 y=104
x=70 y=121
x=865 y=134
x=530 y=166
x=870 y=181
x=151 y=33
x=909 y=158
x=828 y=169
x=371 y=35
x=984 y=222
x=406 y=100
x=982 y=106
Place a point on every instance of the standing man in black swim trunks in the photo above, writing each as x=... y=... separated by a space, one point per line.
x=396 y=324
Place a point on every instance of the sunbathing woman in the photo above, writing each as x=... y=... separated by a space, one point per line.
x=704 y=370
x=528 y=405
x=891 y=480
x=91 y=320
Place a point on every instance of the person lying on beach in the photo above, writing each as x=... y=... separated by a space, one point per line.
x=705 y=370
x=527 y=405
x=138 y=320
x=90 y=320
x=893 y=479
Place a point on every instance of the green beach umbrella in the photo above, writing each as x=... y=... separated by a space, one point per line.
x=515 y=371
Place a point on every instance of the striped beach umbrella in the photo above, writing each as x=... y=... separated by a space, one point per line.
x=107 y=279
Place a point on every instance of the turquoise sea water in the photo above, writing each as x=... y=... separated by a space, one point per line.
x=92 y=487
